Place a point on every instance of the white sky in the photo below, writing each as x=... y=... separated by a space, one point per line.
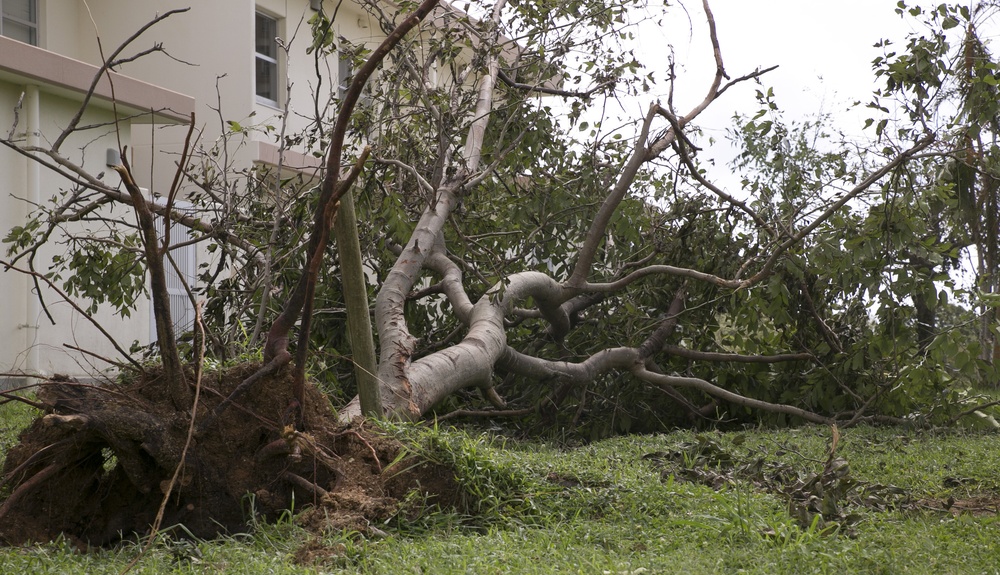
x=824 y=51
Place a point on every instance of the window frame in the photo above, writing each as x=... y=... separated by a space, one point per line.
x=182 y=312
x=345 y=73
x=33 y=27
x=273 y=62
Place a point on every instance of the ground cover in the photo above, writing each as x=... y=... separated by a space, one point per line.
x=679 y=502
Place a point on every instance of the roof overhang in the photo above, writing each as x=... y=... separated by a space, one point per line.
x=53 y=73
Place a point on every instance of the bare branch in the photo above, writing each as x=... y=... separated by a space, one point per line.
x=487 y=413
x=681 y=147
x=662 y=380
x=735 y=357
x=72 y=125
x=618 y=285
x=899 y=160
x=595 y=235
x=541 y=89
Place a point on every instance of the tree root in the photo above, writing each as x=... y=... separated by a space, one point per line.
x=299 y=481
x=34 y=457
x=28 y=486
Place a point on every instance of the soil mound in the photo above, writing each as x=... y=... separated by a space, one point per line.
x=96 y=466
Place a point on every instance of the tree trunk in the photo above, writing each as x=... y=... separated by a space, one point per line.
x=359 y=324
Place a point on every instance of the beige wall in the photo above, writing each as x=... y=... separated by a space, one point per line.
x=30 y=342
x=211 y=50
x=217 y=39
x=87 y=149
x=13 y=287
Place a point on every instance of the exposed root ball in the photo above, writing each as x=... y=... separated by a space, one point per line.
x=95 y=467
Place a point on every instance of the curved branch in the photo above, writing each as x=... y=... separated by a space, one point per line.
x=487 y=413
x=108 y=62
x=595 y=235
x=552 y=91
x=734 y=357
x=334 y=186
x=451 y=284
x=471 y=361
x=638 y=274
x=641 y=154
x=662 y=380
x=583 y=372
x=628 y=358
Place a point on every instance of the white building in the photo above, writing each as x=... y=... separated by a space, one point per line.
x=219 y=55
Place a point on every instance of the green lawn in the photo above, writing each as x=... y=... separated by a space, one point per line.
x=604 y=508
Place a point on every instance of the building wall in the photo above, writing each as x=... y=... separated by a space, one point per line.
x=211 y=51
x=44 y=89
x=211 y=58
x=60 y=25
x=17 y=329
x=13 y=286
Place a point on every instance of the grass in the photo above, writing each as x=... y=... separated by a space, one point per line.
x=603 y=508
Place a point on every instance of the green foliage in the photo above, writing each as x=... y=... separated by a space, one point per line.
x=492 y=491
x=100 y=264
x=870 y=295
x=602 y=507
x=101 y=275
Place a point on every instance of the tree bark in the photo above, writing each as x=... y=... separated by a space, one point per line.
x=359 y=325
x=173 y=369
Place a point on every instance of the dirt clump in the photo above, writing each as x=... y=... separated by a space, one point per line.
x=95 y=467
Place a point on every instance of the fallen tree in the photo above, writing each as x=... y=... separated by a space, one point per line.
x=510 y=257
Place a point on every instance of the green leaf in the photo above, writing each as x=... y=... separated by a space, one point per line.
x=881 y=127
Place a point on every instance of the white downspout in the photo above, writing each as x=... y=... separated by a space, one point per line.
x=33 y=192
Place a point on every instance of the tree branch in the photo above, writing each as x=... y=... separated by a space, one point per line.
x=734 y=357
x=662 y=380
x=552 y=91
x=75 y=120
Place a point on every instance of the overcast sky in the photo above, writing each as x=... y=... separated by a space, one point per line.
x=824 y=51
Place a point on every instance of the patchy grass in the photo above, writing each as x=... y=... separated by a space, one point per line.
x=605 y=508
x=14 y=416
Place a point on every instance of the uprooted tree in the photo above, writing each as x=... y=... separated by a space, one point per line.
x=602 y=281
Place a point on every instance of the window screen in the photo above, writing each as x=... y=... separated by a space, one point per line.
x=266 y=59
x=20 y=20
x=181 y=308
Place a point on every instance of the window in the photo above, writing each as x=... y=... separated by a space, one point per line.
x=266 y=59
x=20 y=20
x=181 y=308
x=345 y=73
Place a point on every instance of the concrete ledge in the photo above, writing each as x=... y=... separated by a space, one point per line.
x=53 y=73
